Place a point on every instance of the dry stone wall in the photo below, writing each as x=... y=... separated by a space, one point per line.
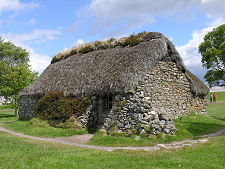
x=162 y=96
x=27 y=107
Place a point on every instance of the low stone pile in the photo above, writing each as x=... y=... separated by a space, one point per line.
x=161 y=121
x=132 y=112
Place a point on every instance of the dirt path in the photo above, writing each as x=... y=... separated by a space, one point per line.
x=79 y=140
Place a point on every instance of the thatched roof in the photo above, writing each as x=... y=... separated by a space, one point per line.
x=112 y=70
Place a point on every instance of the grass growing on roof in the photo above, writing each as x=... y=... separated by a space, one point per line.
x=132 y=40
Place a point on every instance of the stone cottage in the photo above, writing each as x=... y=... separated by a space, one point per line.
x=131 y=87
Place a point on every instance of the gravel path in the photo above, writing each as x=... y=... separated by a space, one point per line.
x=79 y=140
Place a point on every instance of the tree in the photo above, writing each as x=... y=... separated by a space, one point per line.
x=213 y=56
x=15 y=73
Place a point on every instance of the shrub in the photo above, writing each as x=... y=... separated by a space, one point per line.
x=57 y=108
x=54 y=106
x=79 y=105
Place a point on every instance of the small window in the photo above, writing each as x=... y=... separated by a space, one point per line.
x=94 y=105
x=107 y=102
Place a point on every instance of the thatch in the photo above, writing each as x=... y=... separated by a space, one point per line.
x=197 y=86
x=132 y=40
x=112 y=70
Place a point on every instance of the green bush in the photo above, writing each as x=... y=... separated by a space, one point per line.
x=80 y=104
x=54 y=106
x=57 y=108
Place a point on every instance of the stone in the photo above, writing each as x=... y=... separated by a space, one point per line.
x=164 y=117
x=125 y=109
x=146 y=117
x=141 y=95
x=162 y=123
x=154 y=113
x=128 y=126
x=142 y=132
x=140 y=117
x=93 y=98
x=165 y=130
x=155 y=121
x=137 y=138
x=160 y=98
x=120 y=125
x=163 y=67
x=155 y=126
x=146 y=106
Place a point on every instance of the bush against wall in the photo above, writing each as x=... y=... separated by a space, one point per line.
x=57 y=107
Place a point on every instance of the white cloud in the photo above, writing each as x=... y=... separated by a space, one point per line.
x=32 y=21
x=78 y=42
x=38 y=61
x=213 y=8
x=36 y=36
x=189 y=51
x=124 y=16
x=217 y=89
x=119 y=16
x=15 y=5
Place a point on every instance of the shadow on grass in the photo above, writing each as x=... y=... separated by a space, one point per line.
x=2 y=115
x=218 y=118
x=199 y=128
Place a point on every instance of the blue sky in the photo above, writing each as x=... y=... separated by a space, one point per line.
x=46 y=27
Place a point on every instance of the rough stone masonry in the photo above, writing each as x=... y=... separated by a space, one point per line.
x=162 y=96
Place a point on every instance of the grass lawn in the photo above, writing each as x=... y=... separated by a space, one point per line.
x=9 y=121
x=188 y=127
x=25 y=153
x=220 y=96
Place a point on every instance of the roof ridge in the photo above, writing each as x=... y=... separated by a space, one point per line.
x=132 y=40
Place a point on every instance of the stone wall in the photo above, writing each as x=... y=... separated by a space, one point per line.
x=27 y=107
x=162 y=96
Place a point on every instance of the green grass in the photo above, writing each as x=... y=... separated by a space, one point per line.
x=9 y=121
x=24 y=153
x=6 y=106
x=7 y=115
x=188 y=127
x=220 y=96
x=217 y=111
